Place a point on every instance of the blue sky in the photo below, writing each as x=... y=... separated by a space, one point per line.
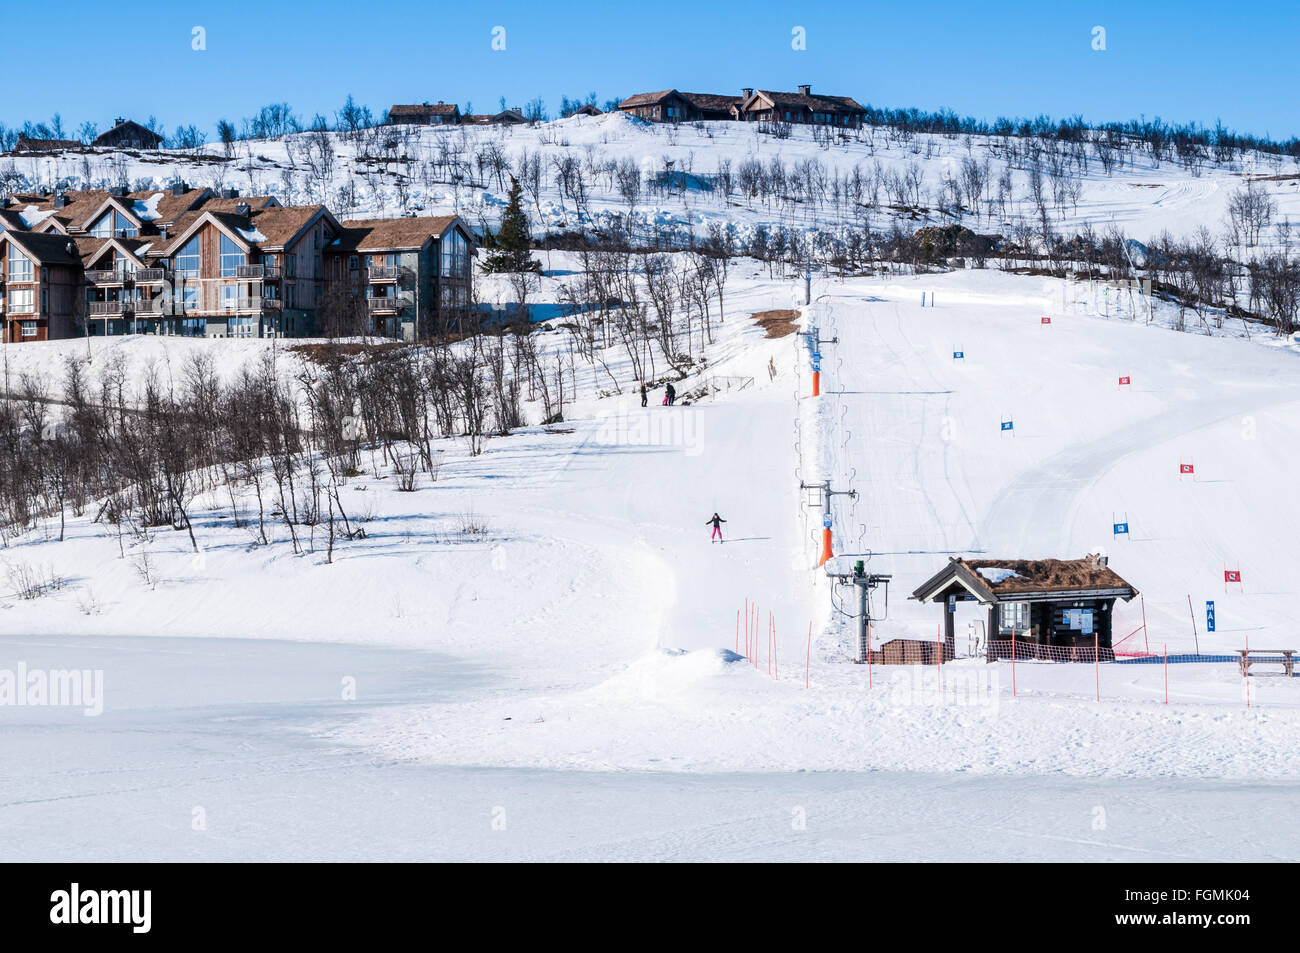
x=1188 y=61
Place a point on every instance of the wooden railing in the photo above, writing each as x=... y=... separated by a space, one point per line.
x=258 y=304
x=384 y=272
x=385 y=304
x=112 y=307
x=266 y=272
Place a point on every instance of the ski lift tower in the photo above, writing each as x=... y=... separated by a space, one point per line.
x=853 y=572
x=825 y=493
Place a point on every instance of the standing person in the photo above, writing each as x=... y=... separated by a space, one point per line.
x=643 y=394
x=672 y=395
x=716 y=521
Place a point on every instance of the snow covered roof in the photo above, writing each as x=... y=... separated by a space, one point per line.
x=1007 y=580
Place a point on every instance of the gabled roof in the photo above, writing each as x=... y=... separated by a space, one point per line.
x=713 y=102
x=810 y=101
x=128 y=127
x=271 y=228
x=393 y=234
x=1015 y=580
x=12 y=220
x=91 y=249
x=79 y=205
x=45 y=248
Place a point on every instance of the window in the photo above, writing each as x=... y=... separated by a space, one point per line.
x=189 y=259
x=229 y=297
x=455 y=255
x=114 y=223
x=28 y=329
x=22 y=300
x=1013 y=617
x=189 y=295
x=232 y=257
x=20 y=266
x=352 y=263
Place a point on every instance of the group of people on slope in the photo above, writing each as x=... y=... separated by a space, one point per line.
x=670 y=395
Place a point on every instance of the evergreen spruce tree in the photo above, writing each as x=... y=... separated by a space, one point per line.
x=512 y=238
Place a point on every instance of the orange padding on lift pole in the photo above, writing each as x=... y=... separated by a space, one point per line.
x=817 y=383
x=826 y=547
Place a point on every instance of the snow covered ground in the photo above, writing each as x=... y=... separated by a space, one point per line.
x=573 y=673
x=1142 y=199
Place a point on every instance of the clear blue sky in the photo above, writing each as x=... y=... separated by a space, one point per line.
x=1183 y=61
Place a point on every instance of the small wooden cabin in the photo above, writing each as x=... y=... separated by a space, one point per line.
x=1052 y=608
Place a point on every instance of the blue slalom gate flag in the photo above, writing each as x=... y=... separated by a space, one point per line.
x=958 y=355
x=1121 y=529
x=1008 y=425
x=1209 y=615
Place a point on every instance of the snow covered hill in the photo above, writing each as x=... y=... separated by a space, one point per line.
x=616 y=165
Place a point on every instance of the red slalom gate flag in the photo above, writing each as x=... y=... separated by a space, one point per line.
x=1046 y=320
x=1185 y=468
x=1123 y=381
x=1232 y=575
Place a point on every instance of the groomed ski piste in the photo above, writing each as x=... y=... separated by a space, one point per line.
x=571 y=680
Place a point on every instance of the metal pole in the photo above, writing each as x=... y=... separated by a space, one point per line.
x=863 y=647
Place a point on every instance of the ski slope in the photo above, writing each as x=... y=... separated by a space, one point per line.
x=576 y=665
x=938 y=476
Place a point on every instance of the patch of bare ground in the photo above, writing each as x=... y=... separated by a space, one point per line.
x=779 y=323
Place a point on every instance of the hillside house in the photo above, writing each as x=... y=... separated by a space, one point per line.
x=126 y=134
x=402 y=277
x=1054 y=608
x=762 y=105
x=25 y=145
x=425 y=114
x=40 y=286
x=670 y=105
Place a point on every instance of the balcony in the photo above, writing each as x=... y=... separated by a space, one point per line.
x=112 y=308
x=106 y=276
x=258 y=272
x=150 y=276
x=258 y=304
x=385 y=272
x=385 y=305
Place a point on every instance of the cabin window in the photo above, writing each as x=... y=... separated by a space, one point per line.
x=455 y=255
x=1013 y=617
x=352 y=263
x=22 y=300
x=28 y=329
x=20 y=266
x=189 y=259
x=229 y=297
x=232 y=257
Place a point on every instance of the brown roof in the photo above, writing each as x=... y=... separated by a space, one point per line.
x=81 y=204
x=424 y=110
x=646 y=99
x=12 y=220
x=280 y=223
x=127 y=127
x=812 y=102
x=216 y=203
x=1028 y=577
x=45 y=145
x=390 y=234
x=171 y=206
x=713 y=102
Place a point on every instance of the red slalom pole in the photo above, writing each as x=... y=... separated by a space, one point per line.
x=807 y=659
x=746 y=626
x=1146 y=646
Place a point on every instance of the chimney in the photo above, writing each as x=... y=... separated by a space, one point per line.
x=70 y=248
x=60 y=200
x=746 y=92
x=118 y=121
x=805 y=90
x=118 y=191
x=229 y=193
x=164 y=231
x=1100 y=562
x=178 y=187
x=243 y=208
